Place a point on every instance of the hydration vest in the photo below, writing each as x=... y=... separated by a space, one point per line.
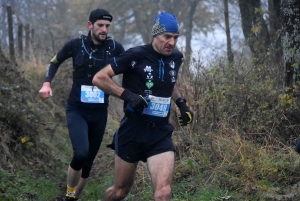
x=88 y=59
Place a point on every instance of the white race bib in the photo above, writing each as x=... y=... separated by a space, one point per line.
x=91 y=94
x=158 y=106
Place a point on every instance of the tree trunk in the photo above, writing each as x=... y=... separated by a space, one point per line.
x=20 y=41
x=32 y=36
x=291 y=41
x=275 y=35
x=246 y=22
x=142 y=24
x=27 y=42
x=11 y=35
x=229 y=50
x=188 y=36
x=254 y=27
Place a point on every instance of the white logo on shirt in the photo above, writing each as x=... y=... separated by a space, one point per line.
x=149 y=76
x=172 y=73
x=148 y=69
x=172 y=64
x=133 y=64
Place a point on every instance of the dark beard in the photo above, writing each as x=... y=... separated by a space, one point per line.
x=98 y=39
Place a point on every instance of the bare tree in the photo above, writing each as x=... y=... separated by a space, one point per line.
x=131 y=26
x=188 y=34
x=11 y=34
x=275 y=25
x=27 y=38
x=290 y=11
x=143 y=20
x=20 y=40
x=254 y=26
x=227 y=28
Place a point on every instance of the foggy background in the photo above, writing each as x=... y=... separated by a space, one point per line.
x=52 y=22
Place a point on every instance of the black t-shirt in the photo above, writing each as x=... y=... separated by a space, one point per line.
x=152 y=75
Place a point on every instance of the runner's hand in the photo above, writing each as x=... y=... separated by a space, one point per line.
x=135 y=102
x=46 y=90
x=186 y=114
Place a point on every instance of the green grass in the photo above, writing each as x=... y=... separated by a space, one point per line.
x=25 y=185
x=96 y=187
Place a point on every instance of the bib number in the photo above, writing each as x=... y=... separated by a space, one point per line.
x=157 y=106
x=91 y=94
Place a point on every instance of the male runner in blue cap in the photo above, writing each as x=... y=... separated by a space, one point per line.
x=149 y=84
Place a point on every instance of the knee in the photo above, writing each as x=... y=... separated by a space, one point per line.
x=122 y=193
x=81 y=155
x=117 y=193
x=163 y=193
x=79 y=160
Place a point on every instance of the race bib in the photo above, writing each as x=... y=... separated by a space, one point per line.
x=91 y=94
x=157 y=106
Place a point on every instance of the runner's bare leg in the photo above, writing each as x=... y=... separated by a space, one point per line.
x=80 y=186
x=161 y=168
x=124 y=178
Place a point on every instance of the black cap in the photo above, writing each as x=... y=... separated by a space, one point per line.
x=100 y=14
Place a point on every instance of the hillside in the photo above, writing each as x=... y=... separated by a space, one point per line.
x=26 y=134
x=34 y=142
x=226 y=154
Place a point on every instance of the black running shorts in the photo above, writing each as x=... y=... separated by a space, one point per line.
x=135 y=142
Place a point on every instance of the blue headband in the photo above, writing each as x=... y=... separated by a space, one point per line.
x=163 y=23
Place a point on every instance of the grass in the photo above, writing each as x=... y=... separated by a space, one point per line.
x=240 y=146
x=26 y=185
x=188 y=190
x=96 y=187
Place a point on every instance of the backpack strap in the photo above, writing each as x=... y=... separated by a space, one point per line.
x=83 y=38
x=113 y=44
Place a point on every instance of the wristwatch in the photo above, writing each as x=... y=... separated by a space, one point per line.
x=180 y=99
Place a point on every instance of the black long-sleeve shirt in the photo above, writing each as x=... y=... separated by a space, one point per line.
x=88 y=59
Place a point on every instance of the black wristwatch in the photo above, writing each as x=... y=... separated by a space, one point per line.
x=180 y=99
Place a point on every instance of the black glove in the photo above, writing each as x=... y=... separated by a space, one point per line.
x=134 y=102
x=186 y=114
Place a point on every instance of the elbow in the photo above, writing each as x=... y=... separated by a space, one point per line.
x=95 y=80
x=100 y=80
